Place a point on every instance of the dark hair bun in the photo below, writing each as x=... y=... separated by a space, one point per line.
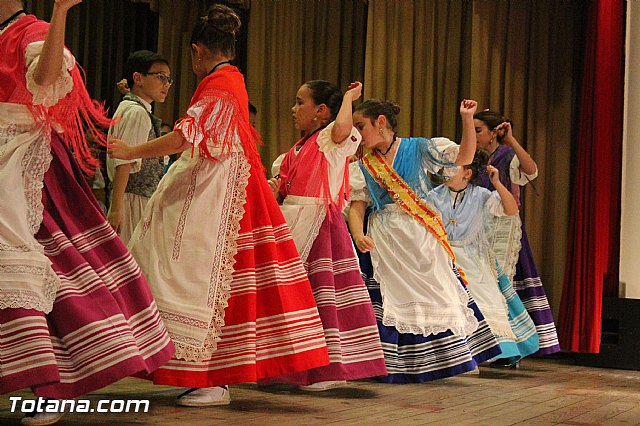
x=223 y=19
x=478 y=166
x=481 y=158
x=390 y=106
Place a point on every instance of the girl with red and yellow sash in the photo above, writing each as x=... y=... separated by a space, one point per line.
x=429 y=325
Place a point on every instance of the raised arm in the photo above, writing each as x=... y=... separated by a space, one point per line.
x=527 y=165
x=468 y=144
x=170 y=143
x=344 y=120
x=50 y=62
x=508 y=200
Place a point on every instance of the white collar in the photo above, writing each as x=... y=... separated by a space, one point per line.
x=146 y=104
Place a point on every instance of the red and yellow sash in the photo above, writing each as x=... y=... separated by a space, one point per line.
x=406 y=198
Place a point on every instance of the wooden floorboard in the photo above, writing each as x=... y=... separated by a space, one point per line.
x=541 y=392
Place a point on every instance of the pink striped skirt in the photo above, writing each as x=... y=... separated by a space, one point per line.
x=350 y=328
x=104 y=325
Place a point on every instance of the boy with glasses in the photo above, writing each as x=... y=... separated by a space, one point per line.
x=148 y=77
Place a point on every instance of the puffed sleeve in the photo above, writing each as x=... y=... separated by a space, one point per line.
x=448 y=150
x=440 y=153
x=493 y=204
x=189 y=126
x=49 y=95
x=275 y=167
x=132 y=126
x=346 y=148
x=518 y=176
x=358 y=184
x=211 y=121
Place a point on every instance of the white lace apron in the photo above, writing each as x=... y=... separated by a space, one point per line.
x=26 y=278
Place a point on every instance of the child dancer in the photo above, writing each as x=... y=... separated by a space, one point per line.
x=517 y=168
x=313 y=183
x=465 y=209
x=214 y=245
x=430 y=328
x=149 y=77
x=76 y=314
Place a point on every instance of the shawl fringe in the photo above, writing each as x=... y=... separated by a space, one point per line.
x=221 y=122
x=78 y=115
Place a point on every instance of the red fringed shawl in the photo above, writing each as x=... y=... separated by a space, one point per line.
x=73 y=114
x=224 y=115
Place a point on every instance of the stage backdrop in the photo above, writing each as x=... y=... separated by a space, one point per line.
x=629 y=241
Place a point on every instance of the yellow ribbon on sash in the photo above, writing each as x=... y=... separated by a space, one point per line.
x=407 y=199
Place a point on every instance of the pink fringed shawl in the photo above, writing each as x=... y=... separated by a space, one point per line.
x=73 y=114
x=307 y=173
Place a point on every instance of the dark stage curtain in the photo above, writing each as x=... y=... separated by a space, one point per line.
x=101 y=34
x=594 y=231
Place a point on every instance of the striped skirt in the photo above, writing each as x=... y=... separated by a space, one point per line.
x=526 y=342
x=104 y=325
x=271 y=323
x=529 y=287
x=345 y=308
x=413 y=358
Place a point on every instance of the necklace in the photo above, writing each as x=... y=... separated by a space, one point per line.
x=219 y=64
x=459 y=192
x=494 y=151
x=7 y=21
x=307 y=137
x=390 y=146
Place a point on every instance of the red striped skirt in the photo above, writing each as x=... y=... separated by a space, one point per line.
x=271 y=324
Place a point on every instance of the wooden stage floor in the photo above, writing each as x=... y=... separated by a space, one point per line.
x=541 y=392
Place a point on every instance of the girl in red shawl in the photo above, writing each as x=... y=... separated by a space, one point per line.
x=76 y=314
x=214 y=245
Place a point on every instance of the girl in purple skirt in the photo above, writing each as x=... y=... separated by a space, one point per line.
x=516 y=168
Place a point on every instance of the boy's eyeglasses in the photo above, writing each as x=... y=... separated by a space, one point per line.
x=160 y=76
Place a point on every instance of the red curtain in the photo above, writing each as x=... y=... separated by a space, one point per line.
x=594 y=231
